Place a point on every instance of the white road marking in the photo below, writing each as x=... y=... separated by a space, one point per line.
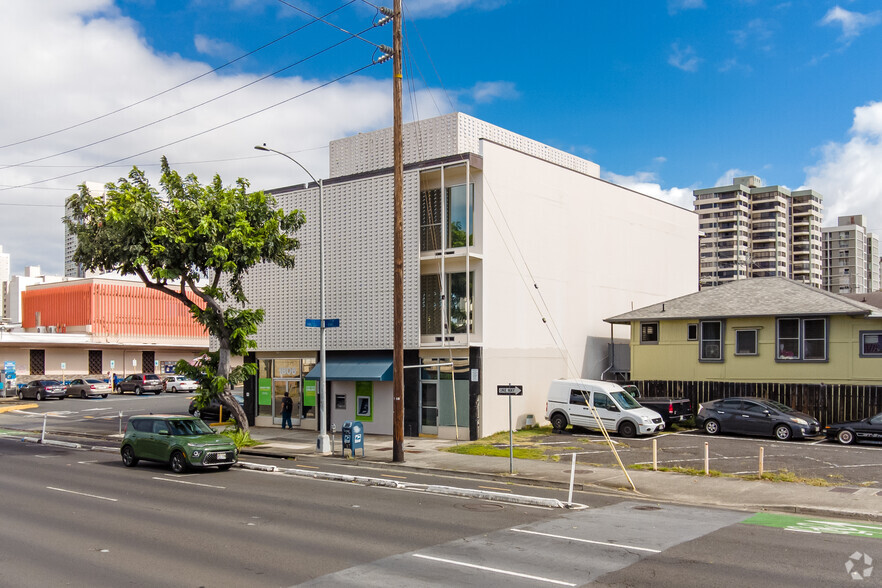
x=619 y=545
x=82 y=494
x=37 y=414
x=188 y=483
x=496 y=570
x=94 y=409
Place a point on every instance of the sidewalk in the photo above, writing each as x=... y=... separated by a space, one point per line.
x=424 y=454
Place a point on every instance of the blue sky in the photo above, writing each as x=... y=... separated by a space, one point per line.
x=666 y=96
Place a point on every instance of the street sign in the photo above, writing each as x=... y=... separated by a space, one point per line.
x=63 y=365
x=510 y=390
x=329 y=323
x=112 y=364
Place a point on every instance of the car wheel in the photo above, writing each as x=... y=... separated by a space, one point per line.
x=558 y=422
x=845 y=437
x=138 y=391
x=82 y=393
x=225 y=467
x=174 y=390
x=20 y=395
x=104 y=396
x=179 y=463
x=783 y=433
x=128 y=457
x=38 y=396
x=157 y=393
x=711 y=427
x=627 y=429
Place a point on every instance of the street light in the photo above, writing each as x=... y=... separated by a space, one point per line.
x=323 y=443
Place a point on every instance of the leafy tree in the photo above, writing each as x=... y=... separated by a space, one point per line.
x=195 y=243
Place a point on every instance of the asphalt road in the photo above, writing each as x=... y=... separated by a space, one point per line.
x=79 y=518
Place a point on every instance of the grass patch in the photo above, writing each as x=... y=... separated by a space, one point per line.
x=788 y=476
x=480 y=448
x=682 y=470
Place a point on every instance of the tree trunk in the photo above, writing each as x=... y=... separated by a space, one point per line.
x=226 y=397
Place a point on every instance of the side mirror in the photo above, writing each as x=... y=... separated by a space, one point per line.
x=162 y=432
x=613 y=408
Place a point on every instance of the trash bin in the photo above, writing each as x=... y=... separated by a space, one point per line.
x=353 y=437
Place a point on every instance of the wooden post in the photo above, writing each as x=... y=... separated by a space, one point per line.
x=706 y=459
x=762 y=449
x=398 y=281
x=655 y=455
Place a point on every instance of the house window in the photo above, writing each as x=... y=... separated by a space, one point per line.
x=746 y=342
x=871 y=344
x=459 y=298
x=648 y=333
x=802 y=339
x=711 y=342
x=692 y=332
x=458 y=212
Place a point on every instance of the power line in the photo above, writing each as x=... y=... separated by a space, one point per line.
x=186 y=110
x=187 y=138
x=182 y=84
x=330 y=24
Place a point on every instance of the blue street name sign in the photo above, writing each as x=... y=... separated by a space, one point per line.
x=329 y=323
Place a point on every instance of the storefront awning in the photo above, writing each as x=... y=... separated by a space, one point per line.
x=360 y=369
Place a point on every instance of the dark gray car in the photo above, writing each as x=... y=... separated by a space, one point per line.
x=755 y=416
x=42 y=389
x=140 y=383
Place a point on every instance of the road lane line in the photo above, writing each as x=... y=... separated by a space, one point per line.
x=82 y=494
x=495 y=570
x=188 y=483
x=620 y=545
x=496 y=489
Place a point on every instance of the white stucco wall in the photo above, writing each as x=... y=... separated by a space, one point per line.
x=593 y=249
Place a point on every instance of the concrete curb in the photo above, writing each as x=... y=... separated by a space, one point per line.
x=433 y=489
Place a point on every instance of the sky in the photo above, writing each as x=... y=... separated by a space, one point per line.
x=667 y=96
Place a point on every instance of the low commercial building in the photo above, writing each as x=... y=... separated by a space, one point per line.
x=514 y=252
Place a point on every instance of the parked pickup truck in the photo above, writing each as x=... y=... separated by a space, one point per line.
x=672 y=410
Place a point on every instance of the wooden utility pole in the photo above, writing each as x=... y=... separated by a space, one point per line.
x=398 y=285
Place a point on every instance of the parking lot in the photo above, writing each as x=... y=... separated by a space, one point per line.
x=854 y=465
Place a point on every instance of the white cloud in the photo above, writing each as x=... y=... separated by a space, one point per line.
x=440 y=8
x=729 y=175
x=847 y=175
x=683 y=58
x=852 y=23
x=78 y=59
x=675 y=6
x=484 y=92
x=215 y=48
x=647 y=183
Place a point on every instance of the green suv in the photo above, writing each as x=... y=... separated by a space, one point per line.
x=180 y=441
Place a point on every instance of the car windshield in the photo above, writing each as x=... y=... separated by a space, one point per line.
x=624 y=399
x=51 y=383
x=151 y=377
x=189 y=427
x=94 y=382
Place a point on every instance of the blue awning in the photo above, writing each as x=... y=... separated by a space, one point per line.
x=355 y=369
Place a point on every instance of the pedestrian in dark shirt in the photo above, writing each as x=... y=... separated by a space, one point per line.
x=287 y=409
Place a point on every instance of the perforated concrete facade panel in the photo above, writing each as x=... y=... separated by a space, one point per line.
x=439 y=137
x=358 y=270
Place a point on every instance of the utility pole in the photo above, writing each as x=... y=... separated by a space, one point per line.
x=398 y=285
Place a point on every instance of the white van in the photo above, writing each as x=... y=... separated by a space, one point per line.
x=570 y=401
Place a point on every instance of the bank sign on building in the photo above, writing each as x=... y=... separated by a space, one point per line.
x=514 y=252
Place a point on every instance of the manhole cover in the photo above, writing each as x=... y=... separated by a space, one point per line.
x=579 y=471
x=647 y=508
x=481 y=506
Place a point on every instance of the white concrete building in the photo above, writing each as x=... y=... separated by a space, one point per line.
x=514 y=252
x=75 y=270
x=4 y=285
x=754 y=231
x=851 y=257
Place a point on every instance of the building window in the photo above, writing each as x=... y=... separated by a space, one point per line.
x=746 y=342
x=871 y=344
x=37 y=362
x=459 y=212
x=648 y=333
x=460 y=300
x=692 y=332
x=711 y=342
x=802 y=339
x=96 y=361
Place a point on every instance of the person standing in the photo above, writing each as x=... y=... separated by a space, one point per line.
x=287 y=409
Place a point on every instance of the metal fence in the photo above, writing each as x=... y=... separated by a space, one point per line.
x=829 y=403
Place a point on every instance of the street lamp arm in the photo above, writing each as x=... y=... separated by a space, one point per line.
x=265 y=148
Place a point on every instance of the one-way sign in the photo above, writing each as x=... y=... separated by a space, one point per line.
x=510 y=390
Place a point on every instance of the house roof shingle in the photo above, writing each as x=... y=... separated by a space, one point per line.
x=753 y=297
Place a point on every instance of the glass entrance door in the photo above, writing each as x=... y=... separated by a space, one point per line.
x=429 y=409
x=292 y=387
